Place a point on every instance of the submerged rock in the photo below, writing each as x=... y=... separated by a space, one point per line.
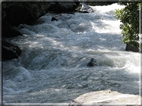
x=10 y=51
x=92 y=63
x=62 y=17
x=106 y=97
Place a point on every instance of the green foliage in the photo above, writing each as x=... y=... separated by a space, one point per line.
x=129 y=16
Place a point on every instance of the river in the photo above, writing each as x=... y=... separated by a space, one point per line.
x=53 y=65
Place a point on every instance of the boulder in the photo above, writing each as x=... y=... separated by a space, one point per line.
x=62 y=7
x=8 y=30
x=16 y=13
x=106 y=97
x=132 y=46
x=84 y=8
x=10 y=51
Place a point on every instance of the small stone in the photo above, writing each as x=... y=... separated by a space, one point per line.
x=54 y=19
x=92 y=63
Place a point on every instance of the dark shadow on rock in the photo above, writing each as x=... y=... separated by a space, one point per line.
x=10 y=51
x=62 y=7
x=8 y=30
x=132 y=46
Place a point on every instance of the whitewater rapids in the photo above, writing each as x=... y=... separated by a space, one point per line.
x=53 y=65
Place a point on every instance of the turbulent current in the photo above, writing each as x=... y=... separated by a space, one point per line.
x=53 y=65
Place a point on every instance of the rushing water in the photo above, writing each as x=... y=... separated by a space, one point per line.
x=53 y=65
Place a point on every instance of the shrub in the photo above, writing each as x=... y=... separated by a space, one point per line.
x=129 y=16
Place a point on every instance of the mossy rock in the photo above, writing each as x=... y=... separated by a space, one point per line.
x=132 y=46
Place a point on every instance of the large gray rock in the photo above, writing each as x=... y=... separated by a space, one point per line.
x=106 y=97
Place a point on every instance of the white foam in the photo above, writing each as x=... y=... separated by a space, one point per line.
x=55 y=56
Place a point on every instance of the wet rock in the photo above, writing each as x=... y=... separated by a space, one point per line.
x=8 y=30
x=132 y=46
x=54 y=19
x=92 y=63
x=76 y=2
x=62 y=17
x=62 y=7
x=15 y=17
x=85 y=8
x=10 y=51
x=106 y=97
x=16 y=13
